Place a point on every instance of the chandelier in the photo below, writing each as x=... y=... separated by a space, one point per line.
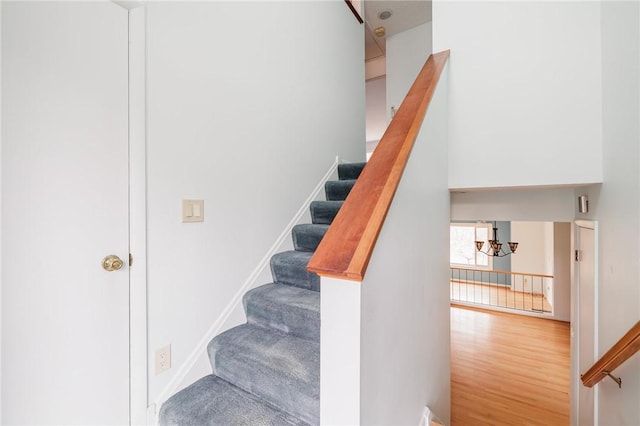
x=495 y=246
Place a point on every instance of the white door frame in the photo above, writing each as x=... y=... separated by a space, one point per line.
x=575 y=315
x=138 y=399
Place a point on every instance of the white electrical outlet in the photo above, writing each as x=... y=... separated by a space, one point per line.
x=163 y=359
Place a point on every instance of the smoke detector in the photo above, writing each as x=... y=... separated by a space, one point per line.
x=384 y=14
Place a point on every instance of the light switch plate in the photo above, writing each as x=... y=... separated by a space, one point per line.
x=192 y=211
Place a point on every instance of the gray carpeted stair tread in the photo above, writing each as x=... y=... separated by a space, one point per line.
x=306 y=237
x=350 y=170
x=212 y=401
x=290 y=268
x=282 y=369
x=288 y=309
x=337 y=190
x=323 y=212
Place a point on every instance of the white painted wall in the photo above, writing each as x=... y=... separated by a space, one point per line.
x=375 y=68
x=616 y=205
x=0 y=216
x=547 y=285
x=376 y=119
x=548 y=248
x=340 y=351
x=247 y=114
x=556 y=205
x=525 y=92
x=406 y=54
x=562 y=260
x=532 y=253
x=405 y=307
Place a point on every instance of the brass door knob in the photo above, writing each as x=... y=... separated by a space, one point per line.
x=112 y=263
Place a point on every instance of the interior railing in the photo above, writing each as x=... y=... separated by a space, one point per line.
x=346 y=248
x=502 y=289
x=621 y=351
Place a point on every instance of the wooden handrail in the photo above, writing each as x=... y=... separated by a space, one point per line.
x=621 y=351
x=354 y=11
x=502 y=272
x=346 y=248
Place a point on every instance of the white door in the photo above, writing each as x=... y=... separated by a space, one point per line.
x=586 y=288
x=65 y=320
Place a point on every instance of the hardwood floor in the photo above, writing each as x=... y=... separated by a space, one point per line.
x=508 y=369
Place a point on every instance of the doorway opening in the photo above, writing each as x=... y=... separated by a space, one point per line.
x=535 y=280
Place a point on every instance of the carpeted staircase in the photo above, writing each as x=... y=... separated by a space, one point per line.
x=267 y=371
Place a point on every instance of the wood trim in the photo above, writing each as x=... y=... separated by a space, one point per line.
x=622 y=350
x=346 y=248
x=355 y=12
x=502 y=272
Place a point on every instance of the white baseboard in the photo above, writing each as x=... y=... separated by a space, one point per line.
x=428 y=418
x=152 y=414
x=235 y=302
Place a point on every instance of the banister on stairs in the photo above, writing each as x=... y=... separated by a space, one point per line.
x=622 y=350
x=385 y=336
x=346 y=248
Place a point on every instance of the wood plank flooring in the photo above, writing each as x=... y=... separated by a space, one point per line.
x=508 y=369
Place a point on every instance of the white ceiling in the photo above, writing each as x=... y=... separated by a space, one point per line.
x=405 y=14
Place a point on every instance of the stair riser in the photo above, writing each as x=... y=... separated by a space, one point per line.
x=338 y=190
x=323 y=212
x=288 y=323
x=350 y=170
x=290 y=268
x=285 y=372
x=212 y=401
x=307 y=237
x=287 y=309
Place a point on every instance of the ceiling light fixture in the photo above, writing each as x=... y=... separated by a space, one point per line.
x=380 y=31
x=384 y=14
x=496 y=246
